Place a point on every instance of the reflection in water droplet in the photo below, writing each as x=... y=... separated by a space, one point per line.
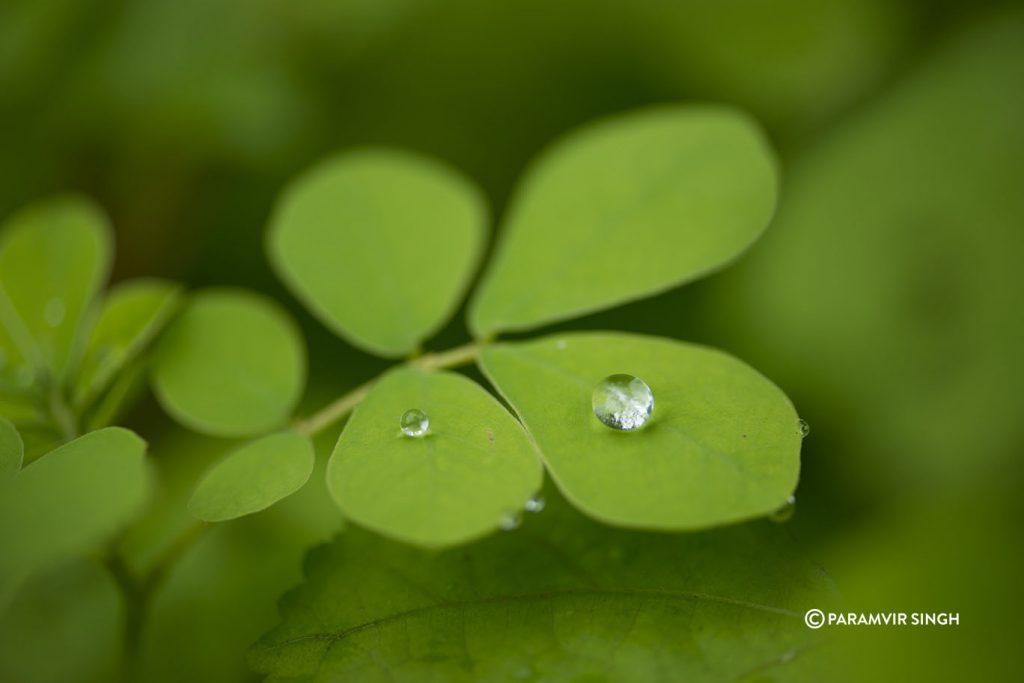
x=414 y=423
x=804 y=428
x=785 y=512
x=535 y=504
x=622 y=402
x=53 y=313
x=510 y=521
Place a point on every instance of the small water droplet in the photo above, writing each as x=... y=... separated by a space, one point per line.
x=535 y=504
x=623 y=402
x=511 y=521
x=53 y=313
x=804 y=428
x=785 y=511
x=414 y=423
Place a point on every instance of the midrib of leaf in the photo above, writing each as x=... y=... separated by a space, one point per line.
x=535 y=597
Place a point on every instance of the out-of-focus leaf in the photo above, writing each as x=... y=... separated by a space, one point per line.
x=723 y=442
x=69 y=501
x=379 y=245
x=562 y=599
x=12 y=450
x=473 y=467
x=626 y=208
x=254 y=477
x=132 y=315
x=232 y=364
x=54 y=256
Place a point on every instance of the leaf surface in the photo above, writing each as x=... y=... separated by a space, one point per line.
x=232 y=364
x=12 y=450
x=722 y=444
x=379 y=245
x=474 y=466
x=254 y=477
x=626 y=208
x=561 y=599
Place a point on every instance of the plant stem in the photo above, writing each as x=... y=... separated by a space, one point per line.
x=344 y=404
x=136 y=602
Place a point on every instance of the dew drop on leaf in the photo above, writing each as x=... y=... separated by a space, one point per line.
x=535 y=504
x=511 y=521
x=785 y=512
x=53 y=313
x=414 y=423
x=805 y=429
x=623 y=402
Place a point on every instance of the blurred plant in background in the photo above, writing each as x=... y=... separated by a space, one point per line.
x=883 y=298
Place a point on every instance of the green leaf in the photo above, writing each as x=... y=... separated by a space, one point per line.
x=562 y=599
x=232 y=364
x=722 y=445
x=474 y=466
x=12 y=450
x=254 y=477
x=69 y=501
x=380 y=246
x=624 y=209
x=133 y=314
x=54 y=256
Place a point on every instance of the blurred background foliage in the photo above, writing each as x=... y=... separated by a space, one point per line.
x=885 y=298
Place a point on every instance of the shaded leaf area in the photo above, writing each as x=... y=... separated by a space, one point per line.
x=379 y=245
x=473 y=467
x=12 y=450
x=133 y=313
x=625 y=208
x=232 y=364
x=253 y=477
x=54 y=256
x=69 y=501
x=563 y=598
x=722 y=444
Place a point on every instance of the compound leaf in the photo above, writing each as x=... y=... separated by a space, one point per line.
x=254 y=477
x=561 y=599
x=723 y=442
x=474 y=466
x=232 y=364
x=626 y=208
x=379 y=245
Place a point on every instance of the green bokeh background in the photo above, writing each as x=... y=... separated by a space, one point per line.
x=885 y=298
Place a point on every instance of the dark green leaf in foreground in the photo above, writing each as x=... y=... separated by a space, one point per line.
x=69 y=501
x=12 y=450
x=624 y=209
x=132 y=315
x=473 y=467
x=722 y=445
x=54 y=256
x=254 y=477
x=561 y=599
x=380 y=245
x=232 y=364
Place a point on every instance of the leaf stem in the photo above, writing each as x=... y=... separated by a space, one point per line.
x=344 y=404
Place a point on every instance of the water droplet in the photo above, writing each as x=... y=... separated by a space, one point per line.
x=623 y=402
x=804 y=428
x=510 y=521
x=535 y=504
x=53 y=313
x=785 y=512
x=414 y=423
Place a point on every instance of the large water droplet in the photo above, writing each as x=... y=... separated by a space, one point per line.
x=785 y=512
x=53 y=313
x=510 y=521
x=623 y=402
x=535 y=504
x=804 y=428
x=414 y=423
